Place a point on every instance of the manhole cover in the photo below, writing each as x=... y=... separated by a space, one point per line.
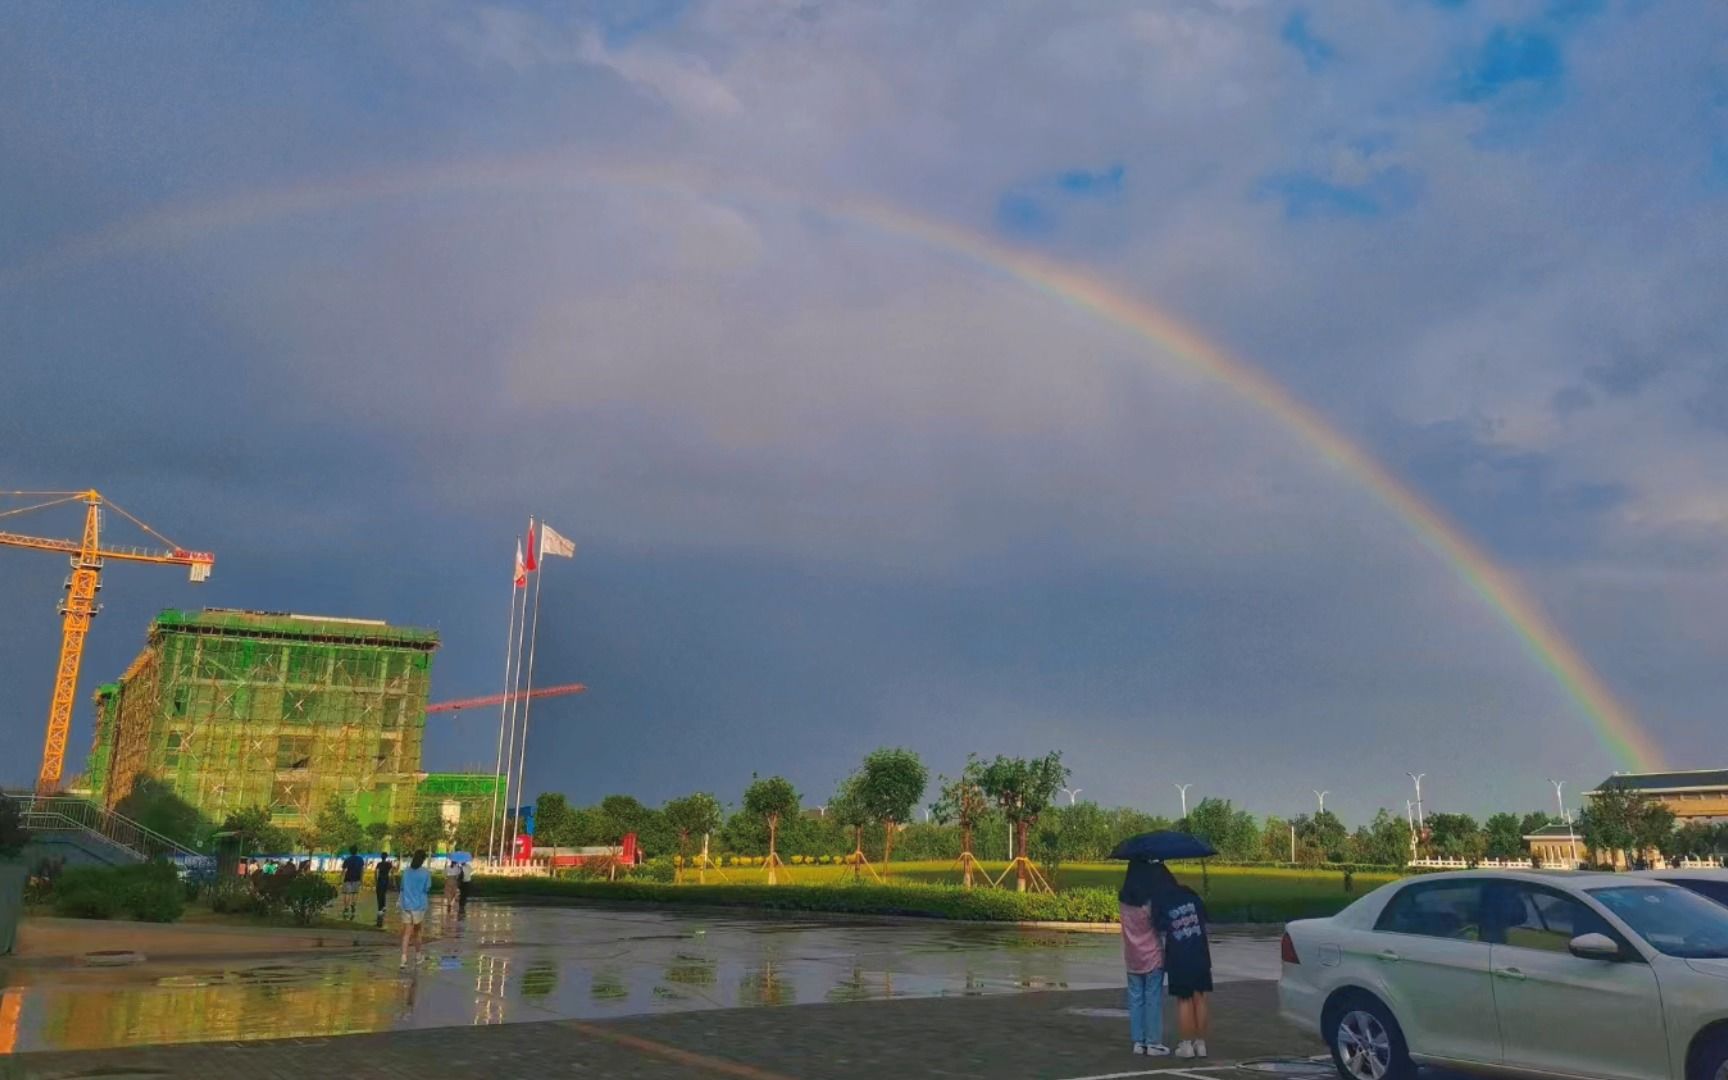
x=1298 y=1067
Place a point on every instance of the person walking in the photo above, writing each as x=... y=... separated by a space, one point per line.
x=452 y=886
x=1180 y=915
x=464 y=884
x=353 y=870
x=415 y=898
x=381 y=883
x=1144 y=954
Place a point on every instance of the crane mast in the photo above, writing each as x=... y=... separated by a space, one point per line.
x=87 y=556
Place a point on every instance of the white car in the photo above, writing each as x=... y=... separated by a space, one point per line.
x=1517 y=972
x=1711 y=883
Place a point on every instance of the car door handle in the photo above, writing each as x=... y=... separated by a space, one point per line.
x=1510 y=973
x=1389 y=956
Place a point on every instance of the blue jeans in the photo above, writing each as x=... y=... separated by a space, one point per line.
x=1146 y=1006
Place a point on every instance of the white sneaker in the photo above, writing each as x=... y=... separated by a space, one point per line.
x=1185 y=1049
x=1157 y=1050
x=1140 y=1049
x=1199 y=1047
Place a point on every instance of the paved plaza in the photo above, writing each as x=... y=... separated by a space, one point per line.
x=554 y=991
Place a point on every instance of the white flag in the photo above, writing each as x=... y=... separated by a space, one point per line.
x=552 y=542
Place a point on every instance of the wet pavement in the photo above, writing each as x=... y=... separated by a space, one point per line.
x=520 y=963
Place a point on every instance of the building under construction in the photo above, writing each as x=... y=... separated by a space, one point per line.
x=234 y=709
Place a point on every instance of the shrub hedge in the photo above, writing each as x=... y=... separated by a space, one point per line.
x=150 y=892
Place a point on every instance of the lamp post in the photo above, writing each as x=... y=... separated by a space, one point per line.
x=1292 y=845
x=1417 y=778
x=1183 y=788
x=1321 y=795
x=1072 y=793
x=1571 y=837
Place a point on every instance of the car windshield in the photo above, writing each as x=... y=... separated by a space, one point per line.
x=1675 y=921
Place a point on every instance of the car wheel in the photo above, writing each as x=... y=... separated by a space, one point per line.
x=1710 y=1061
x=1366 y=1041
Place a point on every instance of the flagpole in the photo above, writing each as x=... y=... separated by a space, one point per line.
x=514 y=690
x=503 y=711
x=527 y=694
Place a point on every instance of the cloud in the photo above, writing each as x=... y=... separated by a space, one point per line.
x=835 y=487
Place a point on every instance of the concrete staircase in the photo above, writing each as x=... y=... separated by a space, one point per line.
x=66 y=825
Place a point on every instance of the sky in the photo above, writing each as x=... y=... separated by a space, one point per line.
x=344 y=294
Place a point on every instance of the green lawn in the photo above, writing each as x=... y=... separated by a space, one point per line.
x=1234 y=894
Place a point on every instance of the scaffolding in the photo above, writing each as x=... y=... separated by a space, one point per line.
x=235 y=709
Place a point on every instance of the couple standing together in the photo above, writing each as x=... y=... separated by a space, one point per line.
x=1164 y=935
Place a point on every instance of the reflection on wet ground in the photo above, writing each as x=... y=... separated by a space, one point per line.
x=514 y=963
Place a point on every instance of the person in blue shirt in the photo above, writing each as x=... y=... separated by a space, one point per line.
x=353 y=870
x=416 y=887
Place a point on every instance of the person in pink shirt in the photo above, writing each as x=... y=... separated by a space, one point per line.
x=1143 y=952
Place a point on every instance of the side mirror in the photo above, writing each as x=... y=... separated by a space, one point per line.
x=1595 y=947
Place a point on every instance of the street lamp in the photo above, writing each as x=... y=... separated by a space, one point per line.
x=1321 y=795
x=1417 y=777
x=1072 y=793
x=1571 y=837
x=1183 y=788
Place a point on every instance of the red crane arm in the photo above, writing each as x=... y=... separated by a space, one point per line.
x=498 y=699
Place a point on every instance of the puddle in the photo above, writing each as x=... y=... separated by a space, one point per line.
x=517 y=963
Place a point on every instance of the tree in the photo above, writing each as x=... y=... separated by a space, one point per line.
x=1322 y=838
x=1275 y=840
x=963 y=802
x=1503 y=837
x=1696 y=839
x=698 y=812
x=336 y=828
x=1455 y=836
x=1023 y=790
x=254 y=833
x=376 y=831
x=1653 y=828
x=554 y=821
x=771 y=800
x=1233 y=832
x=1535 y=820
x=155 y=805
x=423 y=832
x=1385 y=841
x=1612 y=821
x=889 y=784
x=848 y=809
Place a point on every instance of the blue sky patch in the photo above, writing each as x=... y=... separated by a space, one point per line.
x=1315 y=52
x=1510 y=57
x=1308 y=195
x=1035 y=207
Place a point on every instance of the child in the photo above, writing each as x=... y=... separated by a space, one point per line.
x=416 y=885
x=1144 y=955
x=1180 y=914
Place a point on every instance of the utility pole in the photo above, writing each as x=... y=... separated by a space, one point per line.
x=1292 y=845
x=1321 y=795
x=1183 y=788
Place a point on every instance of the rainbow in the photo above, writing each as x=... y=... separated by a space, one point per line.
x=1618 y=731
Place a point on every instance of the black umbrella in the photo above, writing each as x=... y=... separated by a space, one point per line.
x=1163 y=846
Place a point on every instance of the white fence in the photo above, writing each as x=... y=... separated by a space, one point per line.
x=1485 y=864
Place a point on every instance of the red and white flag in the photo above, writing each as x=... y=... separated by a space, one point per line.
x=521 y=568
x=531 y=565
x=552 y=542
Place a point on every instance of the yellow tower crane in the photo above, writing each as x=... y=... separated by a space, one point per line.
x=87 y=556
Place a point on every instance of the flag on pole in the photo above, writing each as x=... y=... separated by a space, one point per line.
x=552 y=542
x=531 y=565
x=521 y=568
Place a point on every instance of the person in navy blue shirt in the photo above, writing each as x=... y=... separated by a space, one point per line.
x=1180 y=915
x=353 y=870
